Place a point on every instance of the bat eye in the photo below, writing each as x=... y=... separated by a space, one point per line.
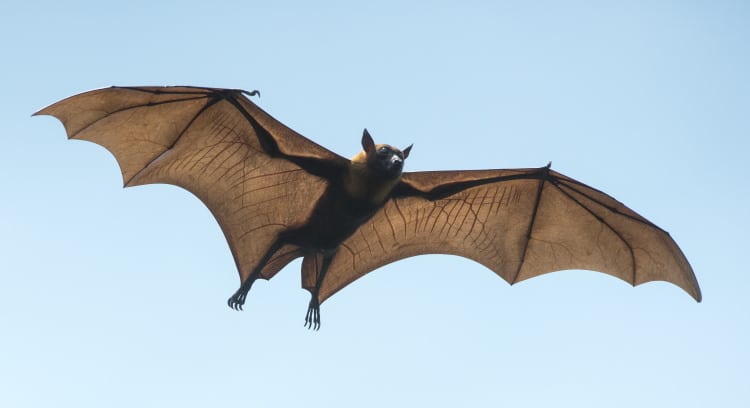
x=383 y=150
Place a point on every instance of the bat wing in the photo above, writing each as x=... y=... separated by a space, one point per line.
x=256 y=176
x=518 y=223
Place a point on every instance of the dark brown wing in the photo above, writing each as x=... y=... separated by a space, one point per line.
x=252 y=172
x=518 y=223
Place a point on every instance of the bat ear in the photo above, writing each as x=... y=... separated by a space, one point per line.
x=367 y=143
x=406 y=151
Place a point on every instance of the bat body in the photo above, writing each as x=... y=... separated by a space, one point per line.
x=279 y=196
x=355 y=191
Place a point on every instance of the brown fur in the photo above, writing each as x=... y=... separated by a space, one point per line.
x=360 y=185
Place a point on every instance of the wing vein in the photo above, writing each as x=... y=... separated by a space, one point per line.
x=205 y=107
x=567 y=184
x=127 y=108
x=604 y=222
x=537 y=200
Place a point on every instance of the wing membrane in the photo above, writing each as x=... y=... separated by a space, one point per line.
x=210 y=142
x=518 y=223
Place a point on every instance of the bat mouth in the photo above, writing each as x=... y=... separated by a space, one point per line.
x=392 y=169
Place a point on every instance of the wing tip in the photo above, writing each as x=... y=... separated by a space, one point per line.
x=694 y=292
x=692 y=289
x=48 y=111
x=44 y=112
x=697 y=295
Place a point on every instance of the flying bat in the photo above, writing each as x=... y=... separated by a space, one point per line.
x=279 y=196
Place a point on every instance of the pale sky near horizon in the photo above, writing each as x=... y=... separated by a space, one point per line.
x=116 y=298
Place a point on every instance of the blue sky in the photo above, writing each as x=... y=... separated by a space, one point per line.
x=116 y=298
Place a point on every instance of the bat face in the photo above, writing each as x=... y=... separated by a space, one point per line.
x=384 y=161
x=387 y=161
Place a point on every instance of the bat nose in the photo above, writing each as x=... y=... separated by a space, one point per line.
x=396 y=160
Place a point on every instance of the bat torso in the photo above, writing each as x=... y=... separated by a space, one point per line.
x=349 y=201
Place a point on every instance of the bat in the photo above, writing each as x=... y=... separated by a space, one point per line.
x=278 y=196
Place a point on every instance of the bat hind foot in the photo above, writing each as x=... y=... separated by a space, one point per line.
x=312 y=319
x=238 y=299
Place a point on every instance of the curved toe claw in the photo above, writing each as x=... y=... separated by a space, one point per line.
x=312 y=319
x=236 y=301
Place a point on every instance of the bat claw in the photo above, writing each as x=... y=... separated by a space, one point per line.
x=238 y=299
x=254 y=92
x=312 y=319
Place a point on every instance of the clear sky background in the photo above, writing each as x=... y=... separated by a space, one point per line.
x=116 y=298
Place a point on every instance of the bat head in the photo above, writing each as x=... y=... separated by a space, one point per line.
x=383 y=160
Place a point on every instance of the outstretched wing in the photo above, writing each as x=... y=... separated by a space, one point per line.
x=518 y=223
x=256 y=176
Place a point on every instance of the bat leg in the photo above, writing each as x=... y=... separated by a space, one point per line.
x=312 y=319
x=238 y=299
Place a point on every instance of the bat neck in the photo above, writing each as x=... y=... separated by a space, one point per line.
x=361 y=184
